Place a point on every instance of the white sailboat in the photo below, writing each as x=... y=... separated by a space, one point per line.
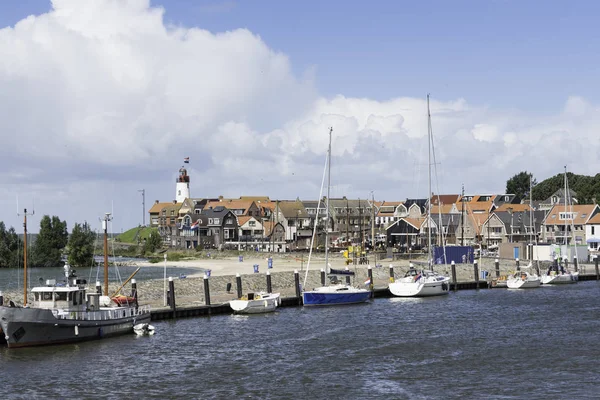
x=557 y=274
x=256 y=303
x=420 y=283
x=335 y=294
x=523 y=279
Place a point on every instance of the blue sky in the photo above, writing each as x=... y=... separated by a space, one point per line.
x=110 y=95
x=527 y=55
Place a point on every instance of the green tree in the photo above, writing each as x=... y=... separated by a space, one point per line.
x=153 y=242
x=80 y=248
x=11 y=247
x=519 y=185
x=50 y=242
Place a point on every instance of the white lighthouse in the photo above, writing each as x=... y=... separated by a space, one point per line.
x=183 y=186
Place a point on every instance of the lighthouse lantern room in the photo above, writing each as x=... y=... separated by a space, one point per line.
x=183 y=186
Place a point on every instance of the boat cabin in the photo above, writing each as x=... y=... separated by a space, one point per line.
x=68 y=298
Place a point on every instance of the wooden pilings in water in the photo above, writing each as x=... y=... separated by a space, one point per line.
x=575 y=263
x=238 y=283
x=269 y=284
x=171 y=296
x=476 y=272
x=518 y=267
x=297 y=285
x=322 y=277
x=206 y=291
x=370 y=275
x=453 y=269
x=392 y=277
x=497 y=265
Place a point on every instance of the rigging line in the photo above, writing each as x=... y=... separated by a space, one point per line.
x=312 y=240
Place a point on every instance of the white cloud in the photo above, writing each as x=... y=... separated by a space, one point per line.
x=101 y=98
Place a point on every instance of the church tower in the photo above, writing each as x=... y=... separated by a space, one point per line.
x=183 y=185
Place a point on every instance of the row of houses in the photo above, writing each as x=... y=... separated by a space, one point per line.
x=282 y=225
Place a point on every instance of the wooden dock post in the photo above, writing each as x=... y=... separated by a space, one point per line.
x=453 y=269
x=392 y=278
x=476 y=273
x=134 y=292
x=370 y=274
x=206 y=291
x=172 y=295
x=596 y=265
x=347 y=277
x=517 y=264
x=297 y=284
x=497 y=265
x=238 y=283
x=98 y=287
x=575 y=263
x=322 y=277
x=2 y=297
x=566 y=260
x=269 y=285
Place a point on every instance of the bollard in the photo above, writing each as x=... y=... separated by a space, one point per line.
x=238 y=282
x=2 y=297
x=597 y=271
x=370 y=275
x=575 y=263
x=453 y=268
x=391 y=273
x=347 y=277
x=98 y=287
x=270 y=263
x=256 y=268
x=517 y=264
x=497 y=265
x=476 y=273
x=134 y=292
x=322 y=277
x=228 y=287
x=297 y=284
x=172 y=294
x=206 y=291
x=269 y=286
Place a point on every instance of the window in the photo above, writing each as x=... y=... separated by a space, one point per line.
x=210 y=221
x=251 y=223
x=593 y=230
x=226 y=233
x=217 y=222
x=566 y=215
x=229 y=221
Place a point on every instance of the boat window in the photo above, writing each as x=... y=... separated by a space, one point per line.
x=80 y=297
x=60 y=296
x=36 y=295
x=47 y=296
x=75 y=298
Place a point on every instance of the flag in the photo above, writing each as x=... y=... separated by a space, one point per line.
x=186 y=160
x=368 y=282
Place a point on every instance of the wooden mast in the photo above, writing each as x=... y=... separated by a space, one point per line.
x=105 y=228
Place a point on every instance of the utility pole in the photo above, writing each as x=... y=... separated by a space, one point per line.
x=25 y=214
x=143 y=191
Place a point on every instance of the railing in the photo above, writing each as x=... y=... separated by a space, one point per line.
x=102 y=314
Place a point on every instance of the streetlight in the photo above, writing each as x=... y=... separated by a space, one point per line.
x=165 y=280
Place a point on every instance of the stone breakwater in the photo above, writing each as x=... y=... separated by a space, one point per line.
x=190 y=291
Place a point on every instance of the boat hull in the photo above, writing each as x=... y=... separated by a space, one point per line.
x=335 y=295
x=523 y=284
x=559 y=279
x=259 y=306
x=24 y=327
x=420 y=289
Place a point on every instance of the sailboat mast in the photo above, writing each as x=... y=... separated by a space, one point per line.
x=25 y=258
x=565 y=198
x=429 y=178
x=105 y=229
x=327 y=202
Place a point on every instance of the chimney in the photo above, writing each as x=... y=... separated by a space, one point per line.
x=155 y=201
x=174 y=201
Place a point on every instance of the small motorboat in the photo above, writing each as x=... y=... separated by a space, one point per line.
x=144 y=329
x=255 y=303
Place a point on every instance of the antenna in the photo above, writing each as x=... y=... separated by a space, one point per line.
x=143 y=191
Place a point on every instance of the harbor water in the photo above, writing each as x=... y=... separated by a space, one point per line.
x=485 y=344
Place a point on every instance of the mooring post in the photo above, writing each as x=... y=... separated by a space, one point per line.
x=453 y=269
x=392 y=278
x=347 y=277
x=98 y=287
x=206 y=291
x=297 y=284
x=566 y=262
x=172 y=295
x=476 y=273
x=517 y=264
x=575 y=263
x=497 y=265
x=134 y=293
x=269 y=286
x=370 y=274
x=596 y=264
x=322 y=277
x=2 y=297
x=238 y=283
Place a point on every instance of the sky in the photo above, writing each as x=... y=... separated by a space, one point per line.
x=100 y=99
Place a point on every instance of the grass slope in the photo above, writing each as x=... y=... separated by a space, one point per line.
x=135 y=234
